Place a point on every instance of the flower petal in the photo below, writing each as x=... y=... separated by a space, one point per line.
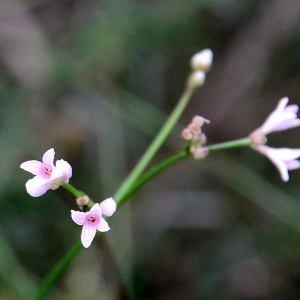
x=87 y=234
x=34 y=167
x=284 y=159
x=293 y=164
x=65 y=168
x=37 y=186
x=78 y=217
x=108 y=206
x=282 y=118
x=96 y=210
x=103 y=226
x=48 y=158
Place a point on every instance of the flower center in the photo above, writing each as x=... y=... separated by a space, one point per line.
x=48 y=172
x=92 y=218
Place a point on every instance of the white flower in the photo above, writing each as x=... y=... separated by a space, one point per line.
x=48 y=176
x=284 y=159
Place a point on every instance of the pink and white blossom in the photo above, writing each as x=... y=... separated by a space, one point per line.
x=284 y=159
x=282 y=118
x=47 y=175
x=93 y=220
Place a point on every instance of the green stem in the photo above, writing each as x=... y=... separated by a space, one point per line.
x=244 y=142
x=154 y=171
x=176 y=158
x=154 y=146
x=77 y=193
x=57 y=271
x=73 y=190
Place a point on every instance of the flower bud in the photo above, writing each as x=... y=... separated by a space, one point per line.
x=186 y=134
x=196 y=79
x=200 y=152
x=202 y=60
x=83 y=200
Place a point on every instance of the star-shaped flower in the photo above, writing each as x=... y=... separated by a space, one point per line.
x=48 y=176
x=93 y=220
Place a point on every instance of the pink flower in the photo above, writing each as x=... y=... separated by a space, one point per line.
x=282 y=118
x=93 y=220
x=284 y=159
x=47 y=176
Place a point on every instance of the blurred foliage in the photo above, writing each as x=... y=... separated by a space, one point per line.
x=96 y=79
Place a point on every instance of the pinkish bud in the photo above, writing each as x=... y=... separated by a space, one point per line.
x=195 y=129
x=200 y=152
x=186 y=134
x=84 y=200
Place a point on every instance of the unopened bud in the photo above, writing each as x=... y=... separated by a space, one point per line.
x=196 y=79
x=200 y=152
x=83 y=200
x=194 y=128
x=186 y=134
x=200 y=138
x=202 y=60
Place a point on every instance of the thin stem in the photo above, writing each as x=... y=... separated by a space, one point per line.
x=244 y=142
x=154 y=171
x=73 y=190
x=57 y=271
x=77 y=193
x=155 y=145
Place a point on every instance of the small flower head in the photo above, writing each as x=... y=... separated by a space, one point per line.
x=47 y=175
x=196 y=137
x=284 y=159
x=92 y=220
x=202 y=60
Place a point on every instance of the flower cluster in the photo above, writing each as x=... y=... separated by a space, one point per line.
x=282 y=118
x=47 y=175
x=196 y=137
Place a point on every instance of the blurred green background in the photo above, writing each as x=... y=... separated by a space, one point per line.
x=96 y=79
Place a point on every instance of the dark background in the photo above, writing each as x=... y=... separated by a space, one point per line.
x=96 y=79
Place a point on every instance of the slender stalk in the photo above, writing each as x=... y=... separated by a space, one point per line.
x=154 y=171
x=73 y=190
x=244 y=142
x=155 y=145
x=77 y=193
x=57 y=271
